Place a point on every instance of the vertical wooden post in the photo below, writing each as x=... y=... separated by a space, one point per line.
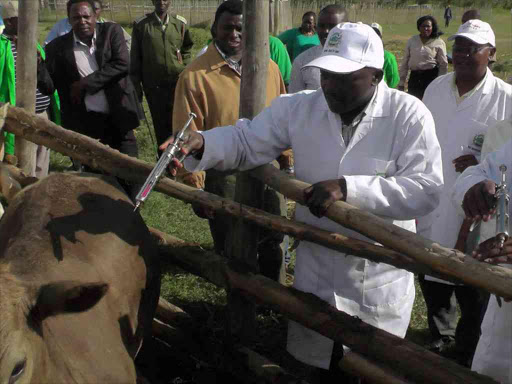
x=111 y=4
x=26 y=78
x=129 y=8
x=241 y=247
x=277 y=18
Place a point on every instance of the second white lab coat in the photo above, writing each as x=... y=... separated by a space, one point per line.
x=392 y=167
x=456 y=127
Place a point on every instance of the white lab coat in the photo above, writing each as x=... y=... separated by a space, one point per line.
x=392 y=167
x=456 y=127
x=493 y=355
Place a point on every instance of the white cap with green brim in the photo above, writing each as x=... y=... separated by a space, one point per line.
x=349 y=48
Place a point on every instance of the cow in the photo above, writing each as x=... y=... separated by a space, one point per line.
x=79 y=283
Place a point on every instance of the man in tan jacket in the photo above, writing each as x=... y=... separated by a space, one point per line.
x=210 y=87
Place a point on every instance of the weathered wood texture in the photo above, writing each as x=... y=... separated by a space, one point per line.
x=26 y=77
x=414 y=363
x=416 y=253
x=372 y=373
x=243 y=240
x=419 y=249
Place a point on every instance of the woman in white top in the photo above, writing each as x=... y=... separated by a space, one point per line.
x=425 y=57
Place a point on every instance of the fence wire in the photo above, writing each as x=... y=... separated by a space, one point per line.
x=201 y=12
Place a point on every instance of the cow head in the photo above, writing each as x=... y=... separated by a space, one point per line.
x=23 y=309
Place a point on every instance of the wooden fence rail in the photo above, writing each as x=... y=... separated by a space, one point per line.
x=407 y=360
x=444 y=262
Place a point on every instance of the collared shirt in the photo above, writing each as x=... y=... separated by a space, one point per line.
x=63 y=26
x=421 y=57
x=348 y=130
x=305 y=78
x=234 y=65
x=87 y=64
x=458 y=98
x=164 y=23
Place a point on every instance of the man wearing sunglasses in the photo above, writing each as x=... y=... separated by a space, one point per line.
x=464 y=104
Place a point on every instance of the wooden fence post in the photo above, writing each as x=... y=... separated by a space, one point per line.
x=111 y=6
x=129 y=8
x=244 y=236
x=26 y=78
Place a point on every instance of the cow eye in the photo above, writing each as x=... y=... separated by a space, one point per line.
x=18 y=370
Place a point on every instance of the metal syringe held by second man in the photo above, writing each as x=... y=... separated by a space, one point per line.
x=502 y=216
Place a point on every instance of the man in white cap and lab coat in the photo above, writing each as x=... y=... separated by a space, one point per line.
x=355 y=140
x=464 y=104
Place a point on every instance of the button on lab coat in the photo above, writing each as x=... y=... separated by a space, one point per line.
x=392 y=167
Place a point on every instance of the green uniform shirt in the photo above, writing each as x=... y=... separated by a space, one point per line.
x=296 y=42
x=390 y=69
x=158 y=53
x=279 y=55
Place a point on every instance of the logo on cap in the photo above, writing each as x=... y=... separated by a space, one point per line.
x=334 y=40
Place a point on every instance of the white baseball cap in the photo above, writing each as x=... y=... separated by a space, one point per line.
x=476 y=30
x=349 y=48
x=377 y=26
x=9 y=9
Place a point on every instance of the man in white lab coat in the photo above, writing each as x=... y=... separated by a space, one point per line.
x=474 y=189
x=464 y=103
x=357 y=141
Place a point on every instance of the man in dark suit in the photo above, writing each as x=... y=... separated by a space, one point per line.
x=89 y=68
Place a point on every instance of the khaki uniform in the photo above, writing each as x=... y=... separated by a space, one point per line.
x=160 y=51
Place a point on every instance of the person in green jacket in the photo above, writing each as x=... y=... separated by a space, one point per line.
x=161 y=45
x=390 y=69
x=8 y=53
x=7 y=86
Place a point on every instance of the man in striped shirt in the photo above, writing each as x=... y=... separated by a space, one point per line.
x=44 y=89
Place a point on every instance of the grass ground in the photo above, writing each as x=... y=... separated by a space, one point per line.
x=173 y=216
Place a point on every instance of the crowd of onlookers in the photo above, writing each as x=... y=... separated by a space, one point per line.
x=336 y=98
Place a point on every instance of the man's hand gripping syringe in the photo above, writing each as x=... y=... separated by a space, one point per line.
x=172 y=155
x=480 y=202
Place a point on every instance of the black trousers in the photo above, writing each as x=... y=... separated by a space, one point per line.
x=441 y=300
x=101 y=126
x=334 y=375
x=419 y=81
x=161 y=102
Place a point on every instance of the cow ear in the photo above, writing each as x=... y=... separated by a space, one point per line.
x=67 y=297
